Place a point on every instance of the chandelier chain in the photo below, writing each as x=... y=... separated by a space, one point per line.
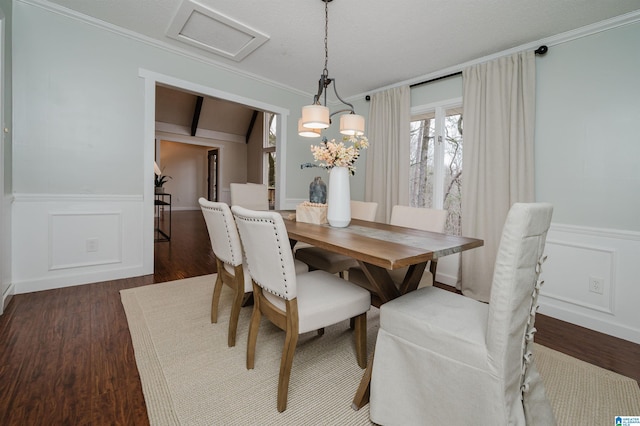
x=325 y=72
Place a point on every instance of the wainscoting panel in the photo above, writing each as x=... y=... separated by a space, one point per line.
x=592 y=279
x=573 y=267
x=84 y=239
x=66 y=240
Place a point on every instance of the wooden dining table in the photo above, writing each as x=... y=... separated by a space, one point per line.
x=378 y=248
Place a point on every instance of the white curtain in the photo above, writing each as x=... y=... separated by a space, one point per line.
x=498 y=163
x=387 y=174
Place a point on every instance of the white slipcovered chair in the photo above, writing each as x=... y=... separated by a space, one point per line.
x=295 y=303
x=443 y=358
x=424 y=219
x=226 y=246
x=335 y=263
x=252 y=196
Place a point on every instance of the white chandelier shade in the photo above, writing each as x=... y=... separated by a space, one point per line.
x=352 y=125
x=308 y=133
x=315 y=117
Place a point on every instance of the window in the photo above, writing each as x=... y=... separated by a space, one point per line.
x=435 y=175
x=269 y=156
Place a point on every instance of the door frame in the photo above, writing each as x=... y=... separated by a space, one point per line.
x=151 y=78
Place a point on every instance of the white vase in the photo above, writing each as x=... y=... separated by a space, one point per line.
x=339 y=199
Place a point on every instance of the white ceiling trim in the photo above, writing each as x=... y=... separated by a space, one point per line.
x=207 y=29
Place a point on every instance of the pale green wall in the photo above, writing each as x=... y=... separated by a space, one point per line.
x=79 y=104
x=437 y=91
x=587 y=139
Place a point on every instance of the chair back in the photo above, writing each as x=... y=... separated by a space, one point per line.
x=432 y=220
x=252 y=196
x=514 y=289
x=225 y=240
x=268 y=251
x=364 y=210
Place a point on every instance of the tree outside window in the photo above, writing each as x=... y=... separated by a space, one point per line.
x=436 y=163
x=269 y=156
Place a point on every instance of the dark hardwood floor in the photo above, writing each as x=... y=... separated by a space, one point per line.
x=66 y=355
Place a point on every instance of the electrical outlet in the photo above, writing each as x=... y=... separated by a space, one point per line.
x=92 y=244
x=596 y=285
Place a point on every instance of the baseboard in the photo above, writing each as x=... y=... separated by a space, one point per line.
x=601 y=325
x=50 y=283
x=446 y=279
x=6 y=297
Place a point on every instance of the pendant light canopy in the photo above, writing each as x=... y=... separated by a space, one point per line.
x=317 y=116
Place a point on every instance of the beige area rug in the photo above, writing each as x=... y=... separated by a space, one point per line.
x=190 y=377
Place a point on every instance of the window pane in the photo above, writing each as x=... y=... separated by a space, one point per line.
x=272 y=169
x=436 y=163
x=273 y=123
x=269 y=157
x=453 y=170
x=421 y=162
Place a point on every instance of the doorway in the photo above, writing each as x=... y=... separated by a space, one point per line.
x=151 y=80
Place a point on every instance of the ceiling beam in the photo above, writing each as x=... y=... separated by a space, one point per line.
x=251 y=124
x=196 y=115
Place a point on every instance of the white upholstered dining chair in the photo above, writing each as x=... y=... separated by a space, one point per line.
x=232 y=271
x=424 y=219
x=443 y=358
x=336 y=263
x=252 y=196
x=295 y=303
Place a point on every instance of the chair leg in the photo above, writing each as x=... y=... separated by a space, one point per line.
x=254 y=325
x=290 y=342
x=235 y=315
x=360 y=336
x=215 y=300
x=247 y=300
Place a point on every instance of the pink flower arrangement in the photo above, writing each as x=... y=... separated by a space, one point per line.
x=336 y=154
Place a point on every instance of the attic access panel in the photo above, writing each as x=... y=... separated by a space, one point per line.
x=207 y=29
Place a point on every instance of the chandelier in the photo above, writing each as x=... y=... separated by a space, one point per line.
x=316 y=116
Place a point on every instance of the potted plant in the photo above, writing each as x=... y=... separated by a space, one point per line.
x=160 y=179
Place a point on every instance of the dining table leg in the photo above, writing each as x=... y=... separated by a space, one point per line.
x=362 y=394
x=380 y=280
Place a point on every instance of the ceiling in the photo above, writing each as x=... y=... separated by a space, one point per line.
x=183 y=112
x=372 y=43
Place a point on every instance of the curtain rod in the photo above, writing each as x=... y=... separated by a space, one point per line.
x=539 y=51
